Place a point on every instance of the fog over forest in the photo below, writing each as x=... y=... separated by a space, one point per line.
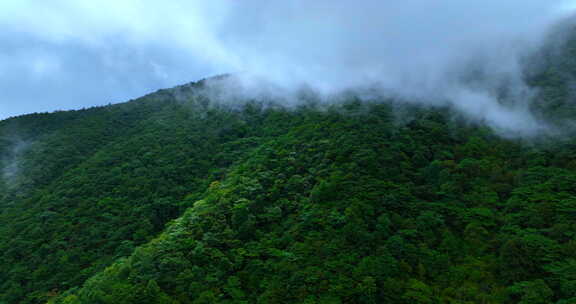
x=71 y=54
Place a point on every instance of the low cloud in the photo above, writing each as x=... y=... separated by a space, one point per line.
x=438 y=52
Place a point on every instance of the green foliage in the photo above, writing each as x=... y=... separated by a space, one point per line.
x=172 y=198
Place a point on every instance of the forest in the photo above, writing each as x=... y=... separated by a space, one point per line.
x=176 y=198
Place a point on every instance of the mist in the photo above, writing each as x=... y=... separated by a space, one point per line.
x=11 y=161
x=441 y=53
x=435 y=52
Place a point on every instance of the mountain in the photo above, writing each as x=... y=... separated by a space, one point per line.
x=177 y=198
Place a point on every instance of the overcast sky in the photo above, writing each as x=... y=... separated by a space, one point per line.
x=68 y=54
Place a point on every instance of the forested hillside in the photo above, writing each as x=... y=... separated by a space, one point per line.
x=346 y=207
x=177 y=198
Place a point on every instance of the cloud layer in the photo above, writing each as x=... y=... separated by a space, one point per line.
x=70 y=53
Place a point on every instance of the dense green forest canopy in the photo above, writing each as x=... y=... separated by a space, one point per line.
x=176 y=198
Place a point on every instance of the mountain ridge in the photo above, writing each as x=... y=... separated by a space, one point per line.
x=177 y=198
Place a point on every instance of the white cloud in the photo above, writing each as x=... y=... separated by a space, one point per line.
x=413 y=48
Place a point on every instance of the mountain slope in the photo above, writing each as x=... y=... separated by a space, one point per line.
x=352 y=202
x=348 y=208
x=87 y=191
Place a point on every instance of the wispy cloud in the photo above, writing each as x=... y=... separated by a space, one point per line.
x=94 y=52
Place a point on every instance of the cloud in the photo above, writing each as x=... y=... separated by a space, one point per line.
x=73 y=54
x=422 y=50
x=439 y=52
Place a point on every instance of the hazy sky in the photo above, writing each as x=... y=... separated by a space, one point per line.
x=65 y=54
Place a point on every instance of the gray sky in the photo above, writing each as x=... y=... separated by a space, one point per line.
x=65 y=54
